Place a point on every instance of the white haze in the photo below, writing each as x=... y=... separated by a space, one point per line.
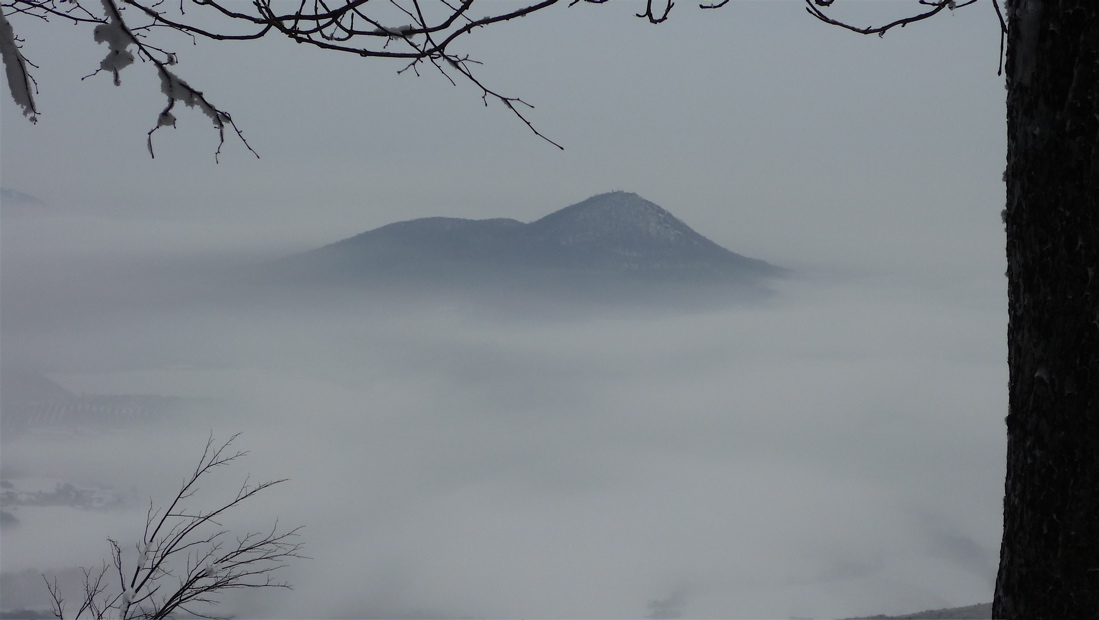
x=835 y=450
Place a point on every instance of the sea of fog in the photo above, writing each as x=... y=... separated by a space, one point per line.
x=834 y=450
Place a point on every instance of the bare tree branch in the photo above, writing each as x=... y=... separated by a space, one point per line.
x=937 y=6
x=1003 y=35
x=652 y=17
x=418 y=32
x=185 y=559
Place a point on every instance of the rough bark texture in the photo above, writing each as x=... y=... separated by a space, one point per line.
x=1049 y=561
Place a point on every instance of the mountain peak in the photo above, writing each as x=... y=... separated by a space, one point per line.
x=611 y=217
x=602 y=243
x=625 y=233
x=624 y=206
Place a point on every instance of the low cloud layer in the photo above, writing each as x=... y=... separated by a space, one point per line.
x=834 y=450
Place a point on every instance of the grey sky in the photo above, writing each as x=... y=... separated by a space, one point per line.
x=756 y=124
x=836 y=451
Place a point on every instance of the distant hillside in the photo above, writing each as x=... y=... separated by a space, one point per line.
x=615 y=245
x=31 y=401
x=14 y=199
x=971 y=612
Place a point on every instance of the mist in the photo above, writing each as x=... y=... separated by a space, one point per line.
x=834 y=449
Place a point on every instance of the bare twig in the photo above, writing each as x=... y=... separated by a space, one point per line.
x=185 y=558
x=417 y=32
x=652 y=17
x=1003 y=36
x=937 y=6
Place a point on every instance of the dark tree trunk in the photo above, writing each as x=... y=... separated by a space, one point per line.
x=1049 y=560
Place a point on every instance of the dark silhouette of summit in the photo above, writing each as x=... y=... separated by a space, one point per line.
x=610 y=244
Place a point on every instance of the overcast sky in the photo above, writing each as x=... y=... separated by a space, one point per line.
x=836 y=452
x=756 y=124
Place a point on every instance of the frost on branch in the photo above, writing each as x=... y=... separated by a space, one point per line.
x=15 y=66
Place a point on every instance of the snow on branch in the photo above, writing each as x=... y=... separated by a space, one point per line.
x=118 y=38
x=20 y=82
x=178 y=90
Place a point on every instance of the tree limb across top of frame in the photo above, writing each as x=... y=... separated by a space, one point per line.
x=419 y=33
